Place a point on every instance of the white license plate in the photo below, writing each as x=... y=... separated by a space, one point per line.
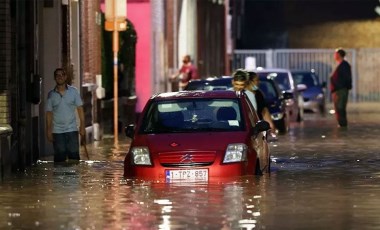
x=187 y=174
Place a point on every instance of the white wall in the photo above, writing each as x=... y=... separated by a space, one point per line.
x=187 y=34
x=50 y=50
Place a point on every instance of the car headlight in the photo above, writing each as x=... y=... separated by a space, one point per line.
x=289 y=102
x=319 y=96
x=235 y=153
x=140 y=156
x=277 y=116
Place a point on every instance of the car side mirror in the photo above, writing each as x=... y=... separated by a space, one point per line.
x=130 y=130
x=261 y=126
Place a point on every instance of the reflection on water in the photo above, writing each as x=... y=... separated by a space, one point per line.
x=322 y=178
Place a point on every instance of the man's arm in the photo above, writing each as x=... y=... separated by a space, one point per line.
x=49 y=125
x=82 y=128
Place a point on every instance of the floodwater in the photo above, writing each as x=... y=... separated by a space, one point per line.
x=322 y=178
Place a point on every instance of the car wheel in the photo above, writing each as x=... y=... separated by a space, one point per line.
x=258 y=171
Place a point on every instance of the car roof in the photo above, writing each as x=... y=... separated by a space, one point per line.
x=303 y=71
x=212 y=79
x=278 y=70
x=197 y=94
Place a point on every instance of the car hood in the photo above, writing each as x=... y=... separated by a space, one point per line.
x=312 y=91
x=208 y=141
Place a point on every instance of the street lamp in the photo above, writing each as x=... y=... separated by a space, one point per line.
x=116 y=13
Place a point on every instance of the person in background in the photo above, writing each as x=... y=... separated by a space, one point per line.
x=186 y=73
x=341 y=83
x=262 y=109
x=61 y=124
x=240 y=82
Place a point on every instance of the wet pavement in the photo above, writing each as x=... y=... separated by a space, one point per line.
x=323 y=177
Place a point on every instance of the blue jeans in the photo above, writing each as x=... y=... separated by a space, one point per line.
x=66 y=145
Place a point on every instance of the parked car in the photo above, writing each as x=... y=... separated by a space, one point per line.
x=292 y=92
x=276 y=103
x=212 y=83
x=197 y=135
x=314 y=95
x=275 y=100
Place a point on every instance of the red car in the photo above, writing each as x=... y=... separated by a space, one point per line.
x=196 y=136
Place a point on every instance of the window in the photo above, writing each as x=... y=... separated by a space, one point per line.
x=195 y=115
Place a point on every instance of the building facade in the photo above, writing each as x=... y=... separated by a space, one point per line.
x=37 y=36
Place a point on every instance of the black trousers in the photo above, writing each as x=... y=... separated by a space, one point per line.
x=340 y=98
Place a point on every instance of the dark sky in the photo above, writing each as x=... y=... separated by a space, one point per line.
x=266 y=21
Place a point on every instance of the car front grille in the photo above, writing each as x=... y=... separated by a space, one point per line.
x=187 y=165
x=187 y=159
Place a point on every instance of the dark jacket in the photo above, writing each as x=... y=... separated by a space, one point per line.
x=260 y=101
x=341 y=78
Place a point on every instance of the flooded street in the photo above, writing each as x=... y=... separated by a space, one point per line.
x=322 y=178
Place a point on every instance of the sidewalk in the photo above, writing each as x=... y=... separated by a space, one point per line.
x=360 y=107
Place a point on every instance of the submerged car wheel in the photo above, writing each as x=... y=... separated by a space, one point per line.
x=322 y=109
x=301 y=111
x=282 y=126
x=300 y=114
x=258 y=168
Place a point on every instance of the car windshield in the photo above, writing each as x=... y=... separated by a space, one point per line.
x=282 y=79
x=195 y=115
x=268 y=89
x=309 y=79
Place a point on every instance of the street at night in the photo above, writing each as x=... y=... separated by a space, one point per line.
x=322 y=177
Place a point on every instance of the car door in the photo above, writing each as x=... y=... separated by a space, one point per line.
x=258 y=141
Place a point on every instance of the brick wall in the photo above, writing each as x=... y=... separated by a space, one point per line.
x=91 y=40
x=91 y=55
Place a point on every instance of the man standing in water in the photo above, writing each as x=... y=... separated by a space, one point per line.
x=341 y=83
x=61 y=124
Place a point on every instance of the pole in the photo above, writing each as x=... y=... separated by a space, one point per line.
x=115 y=22
x=115 y=49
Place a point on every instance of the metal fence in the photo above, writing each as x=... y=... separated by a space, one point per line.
x=365 y=65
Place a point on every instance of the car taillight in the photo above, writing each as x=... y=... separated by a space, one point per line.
x=235 y=153
x=141 y=156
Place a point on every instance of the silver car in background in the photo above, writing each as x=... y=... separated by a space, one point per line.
x=314 y=95
x=288 y=87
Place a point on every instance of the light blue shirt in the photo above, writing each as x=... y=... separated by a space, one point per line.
x=63 y=108
x=251 y=98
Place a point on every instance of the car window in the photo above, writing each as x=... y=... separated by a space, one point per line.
x=308 y=79
x=214 y=84
x=196 y=85
x=282 y=80
x=195 y=115
x=268 y=89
